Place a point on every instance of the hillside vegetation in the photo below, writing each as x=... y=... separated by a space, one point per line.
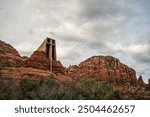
x=52 y=89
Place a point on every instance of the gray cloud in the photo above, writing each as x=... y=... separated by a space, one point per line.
x=144 y=56
x=95 y=9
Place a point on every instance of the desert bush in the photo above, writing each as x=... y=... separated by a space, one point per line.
x=9 y=89
x=52 y=89
x=99 y=90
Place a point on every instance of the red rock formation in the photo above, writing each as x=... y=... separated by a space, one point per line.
x=16 y=73
x=104 y=68
x=141 y=82
x=57 y=67
x=9 y=57
x=24 y=58
x=148 y=85
x=37 y=60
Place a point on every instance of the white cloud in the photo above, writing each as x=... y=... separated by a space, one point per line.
x=132 y=48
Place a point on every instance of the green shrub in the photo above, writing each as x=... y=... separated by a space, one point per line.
x=28 y=85
x=50 y=88
x=9 y=89
x=99 y=90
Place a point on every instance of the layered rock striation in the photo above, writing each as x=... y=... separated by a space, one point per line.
x=22 y=72
x=104 y=68
x=37 y=60
x=9 y=57
x=58 y=67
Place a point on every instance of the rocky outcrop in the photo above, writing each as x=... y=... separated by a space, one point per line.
x=149 y=82
x=17 y=73
x=37 y=60
x=104 y=68
x=57 y=67
x=148 y=85
x=9 y=57
x=141 y=82
x=24 y=58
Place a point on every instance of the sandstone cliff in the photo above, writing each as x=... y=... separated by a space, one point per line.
x=19 y=73
x=58 y=67
x=141 y=82
x=9 y=57
x=37 y=60
x=148 y=85
x=104 y=68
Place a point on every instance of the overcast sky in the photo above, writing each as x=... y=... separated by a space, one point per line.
x=82 y=28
